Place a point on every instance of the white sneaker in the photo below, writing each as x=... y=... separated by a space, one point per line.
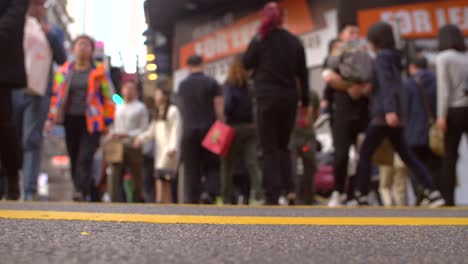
x=336 y=199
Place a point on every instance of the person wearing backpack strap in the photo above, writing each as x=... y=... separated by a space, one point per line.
x=452 y=101
x=420 y=91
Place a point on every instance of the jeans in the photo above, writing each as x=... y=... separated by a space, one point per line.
x=275 y=122
x=10 y=147
x=30 y=114
x=81 y=147
x=241 y=157
x=456 y=127
x=199 y=164
x=374 y=137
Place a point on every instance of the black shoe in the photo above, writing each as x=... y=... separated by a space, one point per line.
x=13 y=196
x=206 y=198
x=291 y=197
x=358 y=200
x=78 y=197
x=13 y=189
x=432 y=199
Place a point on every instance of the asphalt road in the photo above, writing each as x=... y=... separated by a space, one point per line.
x=95 y=241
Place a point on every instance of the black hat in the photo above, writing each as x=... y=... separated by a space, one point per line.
x=195 y=60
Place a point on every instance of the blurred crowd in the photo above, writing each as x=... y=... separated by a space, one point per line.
x=404 y=121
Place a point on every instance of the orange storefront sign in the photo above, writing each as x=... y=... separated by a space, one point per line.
x=236 y=37
x=419 y=20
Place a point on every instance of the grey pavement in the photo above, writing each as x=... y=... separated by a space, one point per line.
x=39 y=241
x=294 y=211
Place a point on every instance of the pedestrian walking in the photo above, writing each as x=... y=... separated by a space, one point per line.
x=82 y=102
x=350 y=115
x=201 y=104
x=44 y=46
x=387 y=119
x=280 y=79
x=304 y=148
x=165 y=130
x=242 y=156
x=420 y=91
x=12 y=76
x=131 y=119
x=452 y=102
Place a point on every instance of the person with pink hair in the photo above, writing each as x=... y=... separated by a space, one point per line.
x=277 y=59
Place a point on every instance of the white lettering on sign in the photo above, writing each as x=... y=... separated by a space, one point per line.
x=422 y=21
x=440 y=15
x=454 y=15
x=416 y=21
x=459 y=16
x=404 y=19
x=223 y=42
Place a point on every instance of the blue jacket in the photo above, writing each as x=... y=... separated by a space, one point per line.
x=417 y=127
x=387 y=86
x=56 y=38
x=238 y=106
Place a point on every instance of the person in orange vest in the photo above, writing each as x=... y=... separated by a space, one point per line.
x=82 y=102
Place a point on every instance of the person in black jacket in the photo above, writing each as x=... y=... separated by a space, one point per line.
x=350 y=117
x=278 y=60
x=12 y=75
x=200 y=101
x=387 y=120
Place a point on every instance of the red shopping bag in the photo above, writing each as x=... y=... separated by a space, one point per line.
x=219 y=139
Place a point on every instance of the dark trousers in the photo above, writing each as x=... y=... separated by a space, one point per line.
x=240 y=162
x=10 y=148
x=432 y=162
x=81 y=147
x=457 y=125
x=275 y=122
x=345 y=134
x=303 y=146
x=133 y=161
x=374 y=137
x=149 y=190
x=201 y=167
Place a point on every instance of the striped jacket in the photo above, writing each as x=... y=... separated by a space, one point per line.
x=100 y=107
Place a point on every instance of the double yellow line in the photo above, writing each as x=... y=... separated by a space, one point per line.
x=232 y=220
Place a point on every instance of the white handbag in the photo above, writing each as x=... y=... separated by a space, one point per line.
x=38 y=57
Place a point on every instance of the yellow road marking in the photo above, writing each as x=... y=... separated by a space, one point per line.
x=411 y=208
x=233 y=220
